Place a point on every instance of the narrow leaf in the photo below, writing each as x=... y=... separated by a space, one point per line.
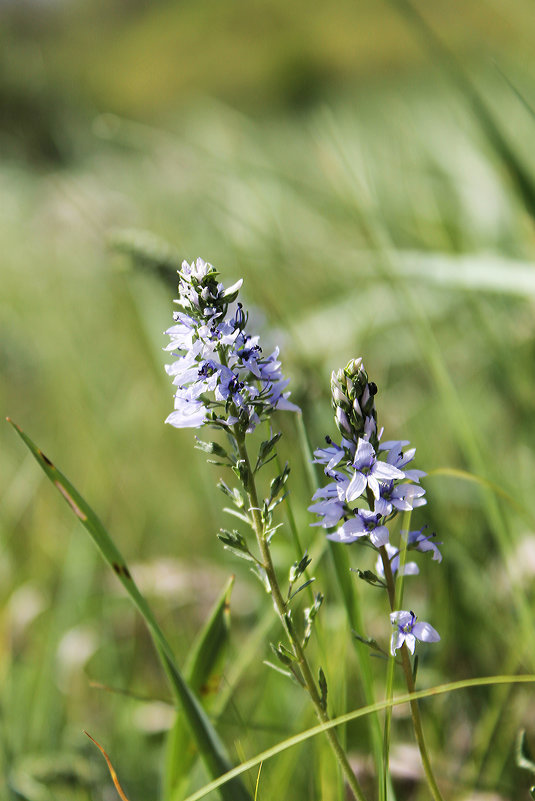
x=210 y=746
x=203 y=674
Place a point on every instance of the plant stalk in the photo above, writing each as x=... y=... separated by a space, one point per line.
x=280 y=606
x=407 y=669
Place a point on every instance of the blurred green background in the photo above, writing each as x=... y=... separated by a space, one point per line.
x=376 y=192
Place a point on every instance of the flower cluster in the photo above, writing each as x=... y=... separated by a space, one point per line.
x=371 y=481
x=221 y=374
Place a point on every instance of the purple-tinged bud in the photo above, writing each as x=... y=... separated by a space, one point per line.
x=353 y=395
x=342 y=422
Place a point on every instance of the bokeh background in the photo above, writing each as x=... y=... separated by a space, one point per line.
x=368 y=168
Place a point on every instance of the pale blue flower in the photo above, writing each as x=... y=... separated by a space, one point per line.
x=403 y=497
x=407 y=630
x=368 y=472
x=363 y=524
x=418 y=541
x=220 y=372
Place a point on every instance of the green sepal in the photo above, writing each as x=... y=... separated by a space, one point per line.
x=211 y=447
x=235 y=542
x=370 y=578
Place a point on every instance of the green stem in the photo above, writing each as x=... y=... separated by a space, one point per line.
x=280 y=607
x=407 y=669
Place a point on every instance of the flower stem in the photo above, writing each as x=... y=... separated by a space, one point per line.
x=281 y=608
x=407 y=669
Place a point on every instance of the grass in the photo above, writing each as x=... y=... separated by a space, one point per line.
x=393 y=231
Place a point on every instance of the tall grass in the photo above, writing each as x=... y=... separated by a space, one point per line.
x=389 y=229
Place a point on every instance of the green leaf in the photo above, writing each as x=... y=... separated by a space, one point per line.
x=203 y=674
x=298 y=568
x=369 y=641
x=307 y=583
x=206 y=737
x=265 y=449
x=283 y=654
x=278 y=483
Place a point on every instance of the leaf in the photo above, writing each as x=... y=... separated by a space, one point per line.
x=298 y=568
x=278 y=483
x=203 y=674
x=110 y=768
x=206 y=737
x=302 y=587
x=369 y=641
x=265 y=449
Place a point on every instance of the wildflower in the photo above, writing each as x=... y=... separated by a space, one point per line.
x=221 y=374
x=400 y=458
x=368 y=471
x=403 y=497
x=407 y=630
x=418 y=541
x=363 y=523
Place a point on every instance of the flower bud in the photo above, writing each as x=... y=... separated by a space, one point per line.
x=354 y=404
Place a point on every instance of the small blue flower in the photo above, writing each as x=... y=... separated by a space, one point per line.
x=403 y=497
x=363 y=524
x=418 y=541
x=220 y=372
x=368 y=472
x=407 y=630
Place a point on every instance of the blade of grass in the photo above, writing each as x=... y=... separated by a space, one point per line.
x=517 y=171
x=297 y=739
x=202 y=673
x=207 y=739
